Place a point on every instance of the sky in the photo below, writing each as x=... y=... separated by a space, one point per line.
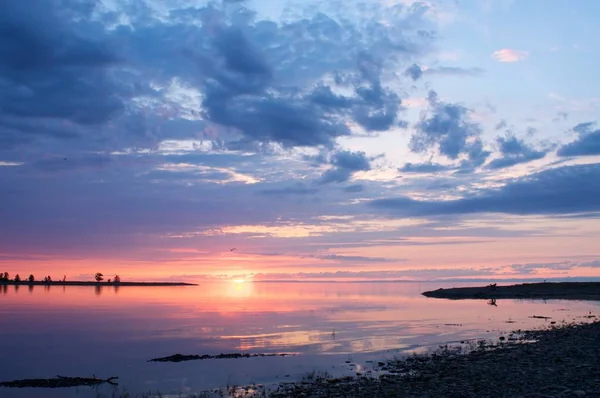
x=354 y=140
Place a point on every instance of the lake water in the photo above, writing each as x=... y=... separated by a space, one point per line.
x=82 y=331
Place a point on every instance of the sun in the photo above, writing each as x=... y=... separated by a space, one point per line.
x=239 y=288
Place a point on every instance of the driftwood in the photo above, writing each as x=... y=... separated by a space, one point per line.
x=181 y=358
x=59 y=382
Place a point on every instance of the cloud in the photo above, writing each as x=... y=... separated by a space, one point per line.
x=409 y=274
x=10 y=164
x=584 y=128
x=562 y=190
x=175 y=120
x=509 y=55
x=587 y=144
x=239 y=54
x=216 y=67
x=424 y=168
x=257 y=98
x=414 y=72
x=353 y=259
x=345 y=164
x=218 y=175
x=179 y=122
x=476 y=156
x=595 y=263
x=93 y=161
x=454 y=71
x=54 y=72
x=560 y=116
x=533 y=268
x=293 y=190
x=446 y=127
x=514 y=151
x=354 y=188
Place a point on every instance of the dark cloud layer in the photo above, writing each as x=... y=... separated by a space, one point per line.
x=52 y=70
x=60 y=64
x=587 y=144
x=563 y=190
x=248 y=72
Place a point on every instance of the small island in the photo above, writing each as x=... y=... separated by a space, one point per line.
x=543 y=290
x=98 y=281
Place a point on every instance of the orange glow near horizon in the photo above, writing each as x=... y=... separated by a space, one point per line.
x=576 y=242
x=240 y=274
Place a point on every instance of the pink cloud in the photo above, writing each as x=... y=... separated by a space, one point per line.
x=509 y=55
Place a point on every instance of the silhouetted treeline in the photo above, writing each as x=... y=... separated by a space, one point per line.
x=99 y=277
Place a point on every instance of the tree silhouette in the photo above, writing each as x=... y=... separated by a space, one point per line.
x=99 y=277
x=17 y=278
x=47 y=279
x=31 y=278
x=5 y=276
x=117 y=279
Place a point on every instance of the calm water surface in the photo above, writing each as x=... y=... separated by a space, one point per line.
x=82 y=331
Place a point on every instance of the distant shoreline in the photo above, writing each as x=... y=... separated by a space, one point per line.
x=543 y=290
x=460 y=280
x=84 y=283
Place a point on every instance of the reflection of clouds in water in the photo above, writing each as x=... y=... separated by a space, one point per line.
x=140 y=323
x=230 y=317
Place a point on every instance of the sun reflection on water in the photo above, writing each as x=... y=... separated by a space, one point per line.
x=239 y=288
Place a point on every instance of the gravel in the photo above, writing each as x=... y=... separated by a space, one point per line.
x=559 y=361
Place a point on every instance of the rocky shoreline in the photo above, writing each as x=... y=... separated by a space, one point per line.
x=235 y=355
x=562 y=361
x=59 y=382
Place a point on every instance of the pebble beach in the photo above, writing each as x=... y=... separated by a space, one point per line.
x=557 y=361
